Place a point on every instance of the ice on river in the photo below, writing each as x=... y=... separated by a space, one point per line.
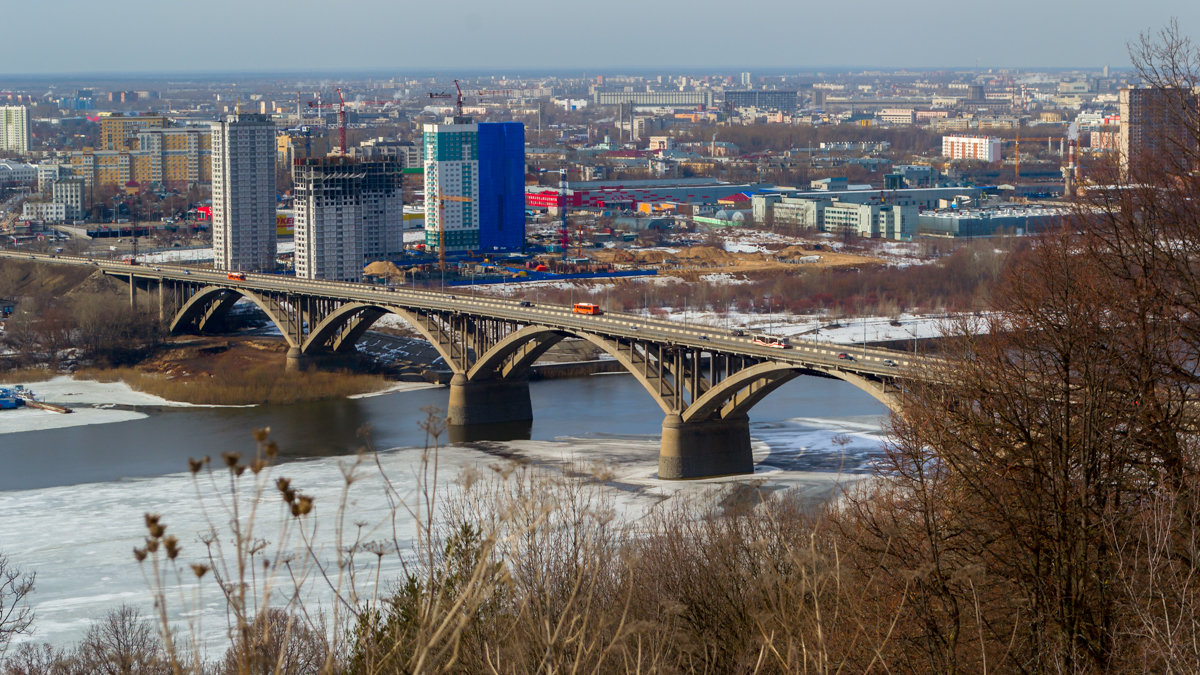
x=79 y=539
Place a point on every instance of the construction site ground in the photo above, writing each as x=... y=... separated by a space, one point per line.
x=688 y=261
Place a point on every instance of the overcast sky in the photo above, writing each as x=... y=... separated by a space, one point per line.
x=129 y=36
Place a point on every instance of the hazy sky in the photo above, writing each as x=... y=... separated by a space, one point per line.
x=128 y=36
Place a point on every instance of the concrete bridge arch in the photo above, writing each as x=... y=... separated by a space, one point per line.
x=705 y=395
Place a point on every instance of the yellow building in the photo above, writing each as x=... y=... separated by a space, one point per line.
x=172 y=157
x=289 y=147
x=119 y=132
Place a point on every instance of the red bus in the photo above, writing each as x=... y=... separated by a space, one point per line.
x=237 y=276
x=587 y=308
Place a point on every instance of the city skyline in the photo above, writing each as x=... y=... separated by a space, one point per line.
x=271 y=36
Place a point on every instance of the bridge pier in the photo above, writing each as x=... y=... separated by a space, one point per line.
x=704 y=449
x=487 y=401
x=296 y=360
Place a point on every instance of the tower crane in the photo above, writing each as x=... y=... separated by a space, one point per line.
x=341 y=121
x=1017 y=152
x=341 y=113
x=458 y=103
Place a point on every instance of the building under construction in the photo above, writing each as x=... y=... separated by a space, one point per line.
x=348 y=213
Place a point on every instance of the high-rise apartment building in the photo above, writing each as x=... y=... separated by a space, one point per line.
x=501 y=186
x=243 y=192
x=14 y=129
x=175 y=157
x=1158 y=129
x=474 y=186
x=452 y=185
x=119 y=132
x=348 y=214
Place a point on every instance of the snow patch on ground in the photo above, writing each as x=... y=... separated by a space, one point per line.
x=724 y=278
x=847 y=331
x=744 y=247
x=66 y=390
x=396 y=387
x=33 y=419
x=178 y=255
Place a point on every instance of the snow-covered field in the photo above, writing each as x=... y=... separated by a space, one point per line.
x=849 y=330
x=178 y=255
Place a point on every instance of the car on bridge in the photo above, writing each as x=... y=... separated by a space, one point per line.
x=889 y=362
x=845 y=357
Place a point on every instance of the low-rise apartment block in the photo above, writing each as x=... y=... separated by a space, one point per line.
x=982 y=148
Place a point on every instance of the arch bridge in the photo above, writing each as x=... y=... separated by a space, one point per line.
x=705 y=380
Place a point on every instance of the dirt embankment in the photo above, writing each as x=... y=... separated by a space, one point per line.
x=712 y=259
x=236 y=371
x=24 y=278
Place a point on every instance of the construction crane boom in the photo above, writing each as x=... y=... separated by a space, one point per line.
x=442 y=199
x=341 y=121
x=458 y=102
x=341 y=116
x=1017 y=151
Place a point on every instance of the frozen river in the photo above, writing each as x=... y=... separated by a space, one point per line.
x=73 y=498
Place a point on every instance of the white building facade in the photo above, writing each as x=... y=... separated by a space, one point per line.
x=982 y=148
x=47 y=212
x=243 y=193
x=70 y=192
x=17 y=173
x=452 y=186
x=14 y=129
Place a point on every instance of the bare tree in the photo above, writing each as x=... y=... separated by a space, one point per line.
x=123 y=643
x=15 y=614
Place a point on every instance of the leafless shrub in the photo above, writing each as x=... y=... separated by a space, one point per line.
x=278 y=644
x=123 y=643
x=38 y=659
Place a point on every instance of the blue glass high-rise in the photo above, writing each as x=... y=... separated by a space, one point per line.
x=501 y=187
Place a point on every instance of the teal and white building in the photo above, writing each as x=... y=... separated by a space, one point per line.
x=451 y=158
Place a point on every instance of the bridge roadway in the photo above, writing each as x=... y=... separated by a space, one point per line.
x=704 y=378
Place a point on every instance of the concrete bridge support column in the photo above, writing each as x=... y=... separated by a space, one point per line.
x=296 y=359
x=704 y=449
x=487 y=401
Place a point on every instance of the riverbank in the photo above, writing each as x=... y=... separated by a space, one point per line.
x=228 y=370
